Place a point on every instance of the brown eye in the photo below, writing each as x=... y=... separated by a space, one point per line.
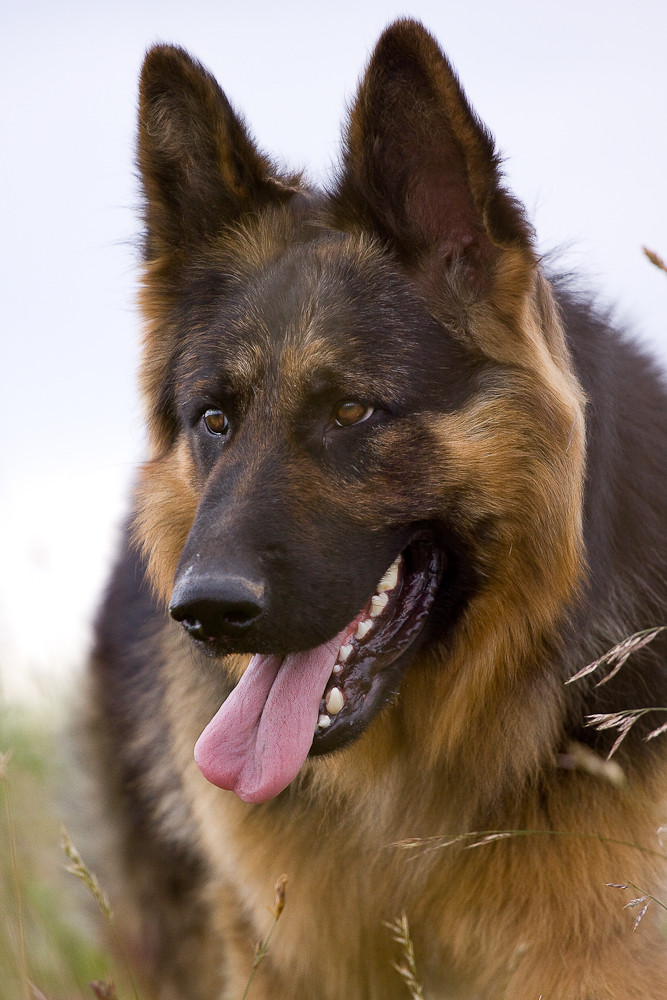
x=216 y=422
x=350 y=412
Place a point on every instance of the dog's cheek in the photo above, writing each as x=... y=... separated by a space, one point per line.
x=528 y=492
x=166 y=505
x=381 y=494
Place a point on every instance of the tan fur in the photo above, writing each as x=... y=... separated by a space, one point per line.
x=511 y=899
x=167 y=501
x=464 y=804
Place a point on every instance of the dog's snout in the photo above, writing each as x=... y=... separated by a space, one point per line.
x=217 y=608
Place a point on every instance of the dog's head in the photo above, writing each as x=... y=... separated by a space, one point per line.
x=367 y=440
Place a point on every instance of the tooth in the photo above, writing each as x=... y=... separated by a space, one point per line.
x=344 y=652
x=363 y=628
x=378 y=604
x=390 y=579
x=323 y=722
x=337 y=668
x=334 y=702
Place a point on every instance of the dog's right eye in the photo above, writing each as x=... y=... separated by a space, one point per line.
x=216 y=422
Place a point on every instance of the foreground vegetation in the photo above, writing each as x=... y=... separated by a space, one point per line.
x=49 y=942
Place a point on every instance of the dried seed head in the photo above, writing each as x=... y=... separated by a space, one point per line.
x=104 y=991
x=635 y=902
x=4 y=763
x=639 y=916
x=281 y=886
x=80 y=870
x=655 y=259
x=617 y=655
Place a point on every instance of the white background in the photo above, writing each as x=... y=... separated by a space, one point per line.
x=575 y=93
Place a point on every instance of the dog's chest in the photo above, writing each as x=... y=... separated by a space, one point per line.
x=339 y=932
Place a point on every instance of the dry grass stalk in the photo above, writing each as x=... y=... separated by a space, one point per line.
x=623 y=722
x=617 y=655
x=653 y=257
x=481 y=838
x=22 y=960
x=644 y=900
x=578 y=757
x=5 y=758
x=407 y=969
x=37 y=993
x=80 y=870
x=262 y=947
x=616 y=658
x=104 y=990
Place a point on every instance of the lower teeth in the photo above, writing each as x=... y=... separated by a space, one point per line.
x=335 y=701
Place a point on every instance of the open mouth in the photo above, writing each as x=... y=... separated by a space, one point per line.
x=286 y=708
x=367 y=671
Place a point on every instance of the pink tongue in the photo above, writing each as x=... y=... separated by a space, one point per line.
x=257 y=742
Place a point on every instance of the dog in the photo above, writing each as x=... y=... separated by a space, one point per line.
x=402 y=487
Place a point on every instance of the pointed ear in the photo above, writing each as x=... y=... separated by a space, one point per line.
x=199 y=168
x=419 y=168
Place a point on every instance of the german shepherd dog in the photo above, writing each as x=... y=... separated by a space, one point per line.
x=401 y=488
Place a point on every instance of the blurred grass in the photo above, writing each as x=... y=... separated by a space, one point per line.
x=48 y=931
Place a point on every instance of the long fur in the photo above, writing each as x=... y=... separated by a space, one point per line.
x=525 y=433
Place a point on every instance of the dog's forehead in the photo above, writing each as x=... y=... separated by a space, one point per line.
x=333 y=304
x=323 y=287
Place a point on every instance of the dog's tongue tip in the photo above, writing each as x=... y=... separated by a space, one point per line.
x=259 y=739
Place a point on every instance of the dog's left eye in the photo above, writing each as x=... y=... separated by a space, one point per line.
x=216 y=422
x=350 y=412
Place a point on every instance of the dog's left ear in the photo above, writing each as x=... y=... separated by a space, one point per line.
x=419 y=168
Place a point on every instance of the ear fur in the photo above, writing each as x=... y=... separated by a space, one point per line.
x=419 y=168
x=198 y=165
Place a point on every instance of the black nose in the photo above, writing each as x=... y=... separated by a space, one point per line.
x=216 y=608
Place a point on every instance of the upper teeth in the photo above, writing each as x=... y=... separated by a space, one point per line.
x=335 y=700
x=378 y=604
x=363 y=628
x=390 y=578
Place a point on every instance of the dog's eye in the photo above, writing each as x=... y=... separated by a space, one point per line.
x=216 y=422
x=350 y=412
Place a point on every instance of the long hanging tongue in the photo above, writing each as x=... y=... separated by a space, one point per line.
x=257 y=742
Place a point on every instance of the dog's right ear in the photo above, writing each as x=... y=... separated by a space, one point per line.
x=199 y=167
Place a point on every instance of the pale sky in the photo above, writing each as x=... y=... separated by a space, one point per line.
x=575 y=93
